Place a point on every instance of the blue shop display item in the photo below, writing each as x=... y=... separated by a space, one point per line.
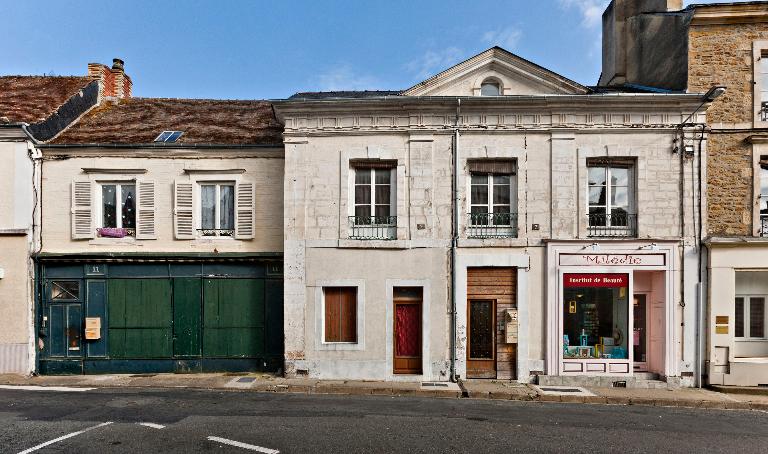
x=566 y=343
x=619 y=353
x=583 y=339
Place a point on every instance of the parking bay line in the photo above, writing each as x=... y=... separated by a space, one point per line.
x=55 y=440
x=244 y=445
x=151 y=424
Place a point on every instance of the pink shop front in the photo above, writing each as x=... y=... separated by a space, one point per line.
x=608 y=309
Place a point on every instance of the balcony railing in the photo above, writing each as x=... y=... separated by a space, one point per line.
x=492 y=225
x=764 y=111
x=217 y=232
x=619 y=225
x=373 y=227
x=763 y=226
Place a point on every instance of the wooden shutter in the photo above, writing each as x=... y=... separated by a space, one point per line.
x=82 y=210
x=244 y=211
x=145 y=215
x=183 y=207
x=340 y=314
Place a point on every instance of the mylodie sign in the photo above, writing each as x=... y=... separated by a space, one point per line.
x=612 y=260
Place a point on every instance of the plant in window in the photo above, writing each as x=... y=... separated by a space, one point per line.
x=118 y=210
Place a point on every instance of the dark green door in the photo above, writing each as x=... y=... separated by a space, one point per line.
x=186 y=317
x=233 y=318
x=140 y=318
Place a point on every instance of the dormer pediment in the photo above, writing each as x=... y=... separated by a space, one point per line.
x=496 y=67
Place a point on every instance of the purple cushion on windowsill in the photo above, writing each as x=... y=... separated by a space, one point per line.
x=111 y=232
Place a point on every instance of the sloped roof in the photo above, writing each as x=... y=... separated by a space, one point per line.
x=203 y=121
x=32 y=99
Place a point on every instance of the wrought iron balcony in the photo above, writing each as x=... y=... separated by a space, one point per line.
x=217 y=232
x=492 y=225
x=619 y=225
x=373 y=227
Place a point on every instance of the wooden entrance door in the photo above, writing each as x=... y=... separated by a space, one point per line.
x=481 y=347
x=407 y=330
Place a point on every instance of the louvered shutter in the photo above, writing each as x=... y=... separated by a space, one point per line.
x=145 y=220
x=183 y=224
x=244 y=211
x=82 y=210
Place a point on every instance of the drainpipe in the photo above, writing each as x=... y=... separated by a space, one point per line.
x=454 y=237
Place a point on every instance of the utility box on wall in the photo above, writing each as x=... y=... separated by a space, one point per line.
x=510 y=326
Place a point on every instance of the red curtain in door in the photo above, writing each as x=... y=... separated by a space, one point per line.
x=408 y=323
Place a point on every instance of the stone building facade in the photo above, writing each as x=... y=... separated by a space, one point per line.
x=545 y=245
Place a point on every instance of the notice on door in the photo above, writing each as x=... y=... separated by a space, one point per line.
x=93 y=328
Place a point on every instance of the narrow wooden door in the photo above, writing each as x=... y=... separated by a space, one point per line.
x=481 y=347
x=407 y=330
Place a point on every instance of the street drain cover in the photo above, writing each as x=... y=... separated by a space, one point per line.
x=246 y=380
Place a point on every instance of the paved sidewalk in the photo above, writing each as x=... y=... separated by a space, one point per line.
x=474 y=389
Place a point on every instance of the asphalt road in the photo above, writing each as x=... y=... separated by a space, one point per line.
x=183 y=421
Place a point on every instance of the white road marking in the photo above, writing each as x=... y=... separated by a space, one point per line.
x=244 y=445
x=151 y=424
x=45 y=388
x=55 y=440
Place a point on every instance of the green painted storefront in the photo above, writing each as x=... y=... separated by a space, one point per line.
x=159 y=314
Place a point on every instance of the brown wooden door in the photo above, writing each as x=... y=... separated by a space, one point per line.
x=407 y=331
x=481 y=345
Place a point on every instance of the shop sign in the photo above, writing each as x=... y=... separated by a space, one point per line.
x=612 y=260
x=595 y=280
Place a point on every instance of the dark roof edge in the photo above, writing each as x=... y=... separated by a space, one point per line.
x=68 y=113
x=162 y=146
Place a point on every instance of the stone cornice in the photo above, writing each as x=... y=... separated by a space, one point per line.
x=725 y=14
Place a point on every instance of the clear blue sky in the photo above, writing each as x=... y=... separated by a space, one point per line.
x=251 y=49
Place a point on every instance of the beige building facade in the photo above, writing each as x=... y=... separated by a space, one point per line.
x=476 y=196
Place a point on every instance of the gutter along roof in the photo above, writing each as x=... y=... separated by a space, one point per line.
x=204 y=122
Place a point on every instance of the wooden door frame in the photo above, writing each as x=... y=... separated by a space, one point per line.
x=493 y=301
x=644 y=365
x=406 y=301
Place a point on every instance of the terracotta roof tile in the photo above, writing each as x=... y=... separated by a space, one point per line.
x=31 y=99
x=203 y=121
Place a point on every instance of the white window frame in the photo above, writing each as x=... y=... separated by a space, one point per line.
x=99 y=211
x=217 y=218
x=747 y=304
x=372 y=184
x=759 y=52
x=762 y=220
x=490 y=185
x=631 y=192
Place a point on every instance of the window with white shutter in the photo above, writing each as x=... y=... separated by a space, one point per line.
x=244 y=212
x=82 y=209
x=183 y=210
x=145 y=223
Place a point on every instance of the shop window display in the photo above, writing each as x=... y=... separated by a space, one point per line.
x=595 y=316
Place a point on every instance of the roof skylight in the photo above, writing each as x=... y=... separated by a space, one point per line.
x=169 y=136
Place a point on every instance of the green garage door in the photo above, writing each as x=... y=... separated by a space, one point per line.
x=233 y=318
x=140 y=318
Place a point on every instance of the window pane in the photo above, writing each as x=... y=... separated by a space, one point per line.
x=479 y=178
x=764 y=179
x=597 y=217
x=362 y=176
x=620 y=197
x=501 y=195
x=227 y=207
x=502 y=179
x=128 y=196
x=596 y=176
x=382 y=194
x=362 y=194
x=619 y=177
x=109 y=205
x=65 y=290
x=479 y=195
x=208 y=206
x=619 y=217
x=597 y=195
x=739 y=318
x=757 y=317
x=382 y=211
x=383 y=176
x=362 y=212
x=489 y=89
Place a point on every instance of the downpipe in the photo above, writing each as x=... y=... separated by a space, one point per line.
x=454 y=238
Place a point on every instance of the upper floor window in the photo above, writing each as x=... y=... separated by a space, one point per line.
x=492 y=198
x=374 y=201
x=610 y=192
x=490 y=88
x=763 y=197
x=762 y=84
x=118 y=210
x=217 y=209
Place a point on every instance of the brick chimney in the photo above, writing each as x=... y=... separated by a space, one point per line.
x=113 y=82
